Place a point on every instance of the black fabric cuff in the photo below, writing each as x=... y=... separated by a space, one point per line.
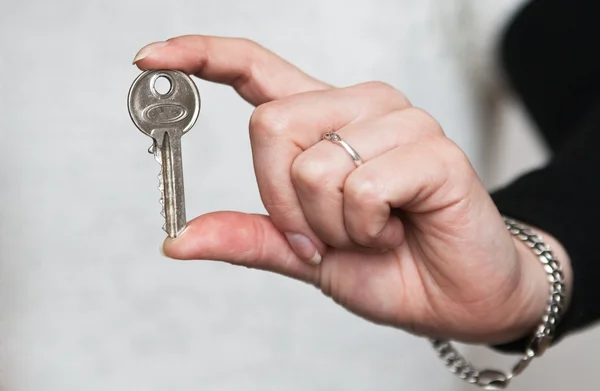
x=563 y=200
x=528 y=200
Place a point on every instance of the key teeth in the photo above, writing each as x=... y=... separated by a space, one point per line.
x=161 y=200
x=155 y=150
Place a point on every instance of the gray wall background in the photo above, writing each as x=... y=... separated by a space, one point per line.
x=86 y=300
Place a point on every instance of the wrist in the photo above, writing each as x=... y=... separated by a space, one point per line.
x=531 y=297
x=527 y=314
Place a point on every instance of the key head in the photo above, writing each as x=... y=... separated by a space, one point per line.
x=151 y=110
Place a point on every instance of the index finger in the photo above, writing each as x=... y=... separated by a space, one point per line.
x=257 y=74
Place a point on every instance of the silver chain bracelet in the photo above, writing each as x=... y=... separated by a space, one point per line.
x=490 y=379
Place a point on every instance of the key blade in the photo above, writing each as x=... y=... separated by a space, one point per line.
x=173 y=197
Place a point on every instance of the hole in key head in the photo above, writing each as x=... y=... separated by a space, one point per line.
x=162 y=85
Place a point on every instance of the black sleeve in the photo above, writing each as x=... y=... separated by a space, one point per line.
x=551 y=59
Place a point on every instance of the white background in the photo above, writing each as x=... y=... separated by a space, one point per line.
x=86 y=300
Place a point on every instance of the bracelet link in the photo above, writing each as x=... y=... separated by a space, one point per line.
x=523 y=363
x=540 y=343
x=491 y=379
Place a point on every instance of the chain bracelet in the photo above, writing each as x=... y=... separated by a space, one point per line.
x=496 y=380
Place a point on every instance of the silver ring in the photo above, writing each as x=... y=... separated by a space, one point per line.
x=336 y=139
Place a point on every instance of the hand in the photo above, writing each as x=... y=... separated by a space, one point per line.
x=409 y=239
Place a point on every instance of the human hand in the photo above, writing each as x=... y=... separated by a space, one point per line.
x=410 y=239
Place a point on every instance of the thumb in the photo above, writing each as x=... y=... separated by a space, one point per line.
x=242 y=239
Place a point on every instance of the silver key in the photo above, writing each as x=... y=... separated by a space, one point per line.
x=166 y=117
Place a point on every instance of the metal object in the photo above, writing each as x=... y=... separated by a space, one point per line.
x=166 y=117
x=336 y=139
x=496 y=380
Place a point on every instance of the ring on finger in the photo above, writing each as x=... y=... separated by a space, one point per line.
x=336 y=139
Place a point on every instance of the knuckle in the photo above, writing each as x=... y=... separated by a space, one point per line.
x=413 y=124
x=247 y=43
x=387 y=93
x=365 y=190
x=309 y=173
x=366 y=236
x=452 y=154
x=424 y=121
x=365 y=193
x=268 y=120
x=379 y=86
x=452 y=159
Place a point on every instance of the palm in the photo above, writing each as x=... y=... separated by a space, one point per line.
x=433 y=283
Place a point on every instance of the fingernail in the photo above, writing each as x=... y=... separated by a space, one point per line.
x=148 y=50
x=304 y=248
